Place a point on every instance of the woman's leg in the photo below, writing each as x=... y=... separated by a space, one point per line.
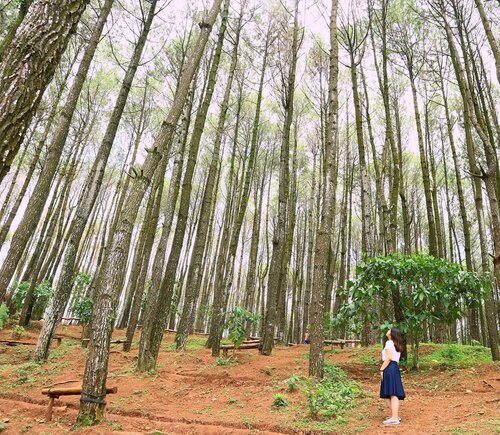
x=394 y=407
x=388 y=401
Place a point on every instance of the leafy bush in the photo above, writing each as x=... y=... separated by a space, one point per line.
x=428 y=289
x=332 y=395
x=83 y=309
x=279 y=401
x=4 y=315
x=17 y=331
x=236 y=323
x=292 y=382
x=43 y=292
x=19 y=293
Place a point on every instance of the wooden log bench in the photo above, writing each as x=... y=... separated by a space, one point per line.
x=251 y=341
x=71 y=319
x=57 y=339
x=341 y=342
x=356 y=343
x=227 y=347
x=56 y=392
x=332 y=343
x=87 y=340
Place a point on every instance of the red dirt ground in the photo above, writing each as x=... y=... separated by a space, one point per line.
x=190 y=394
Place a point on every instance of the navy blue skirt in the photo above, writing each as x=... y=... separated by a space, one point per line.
x=391 y=384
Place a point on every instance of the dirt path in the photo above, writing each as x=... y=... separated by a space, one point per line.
x=191 y=394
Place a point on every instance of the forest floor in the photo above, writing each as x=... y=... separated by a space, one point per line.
x=193 y=393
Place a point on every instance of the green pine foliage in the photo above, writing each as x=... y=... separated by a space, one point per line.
x=4 y=315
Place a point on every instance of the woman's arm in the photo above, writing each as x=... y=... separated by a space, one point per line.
x=387 y=360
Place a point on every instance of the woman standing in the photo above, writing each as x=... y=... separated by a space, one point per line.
x=391 y=386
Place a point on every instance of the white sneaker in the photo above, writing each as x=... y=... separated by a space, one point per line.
x=392 y=422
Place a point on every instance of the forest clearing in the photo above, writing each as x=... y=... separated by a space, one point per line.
x=191 y=393
x=239 y=216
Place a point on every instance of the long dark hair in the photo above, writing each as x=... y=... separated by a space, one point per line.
x=397 y=339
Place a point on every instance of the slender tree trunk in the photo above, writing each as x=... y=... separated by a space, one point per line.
x=14 y=25
x=325 y=229
x=489 y=34
x=280 y=231
x=195 y=271
x=224 y=273
x=488 y=177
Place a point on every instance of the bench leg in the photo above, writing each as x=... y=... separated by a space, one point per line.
x=48 y=413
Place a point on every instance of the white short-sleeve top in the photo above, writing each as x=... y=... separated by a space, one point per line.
x=395 y=354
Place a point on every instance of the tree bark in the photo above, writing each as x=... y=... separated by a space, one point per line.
x=276 y=267
x=27 y=67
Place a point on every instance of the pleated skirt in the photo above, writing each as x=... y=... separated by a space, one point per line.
x=391 y=384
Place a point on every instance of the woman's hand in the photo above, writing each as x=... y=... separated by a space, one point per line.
x=381 y=375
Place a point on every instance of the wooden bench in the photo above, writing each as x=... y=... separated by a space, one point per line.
x=341 y=342
x=57 y=338
x=226 y=347
x=357 y=343
x=87 y=340
x=71 y=319
x=56 y=392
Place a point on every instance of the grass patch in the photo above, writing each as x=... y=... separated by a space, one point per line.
x=451 y=355
x=193 y=343
x=223 y=361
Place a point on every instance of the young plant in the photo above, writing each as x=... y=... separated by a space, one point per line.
x=292 y=382
x=17 y=331
x=331 y=396
x=82 y=308
x=19 y=293
x=279 y=401
x=236 y=323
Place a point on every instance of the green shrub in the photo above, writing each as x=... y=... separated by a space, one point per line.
x=4 y=315
x=83 y=309
x=236 y=323
x=222 y=361
x=331 y=396
x=279 y=401
x=43 y=293
x=292 y=382
x=19 y=293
